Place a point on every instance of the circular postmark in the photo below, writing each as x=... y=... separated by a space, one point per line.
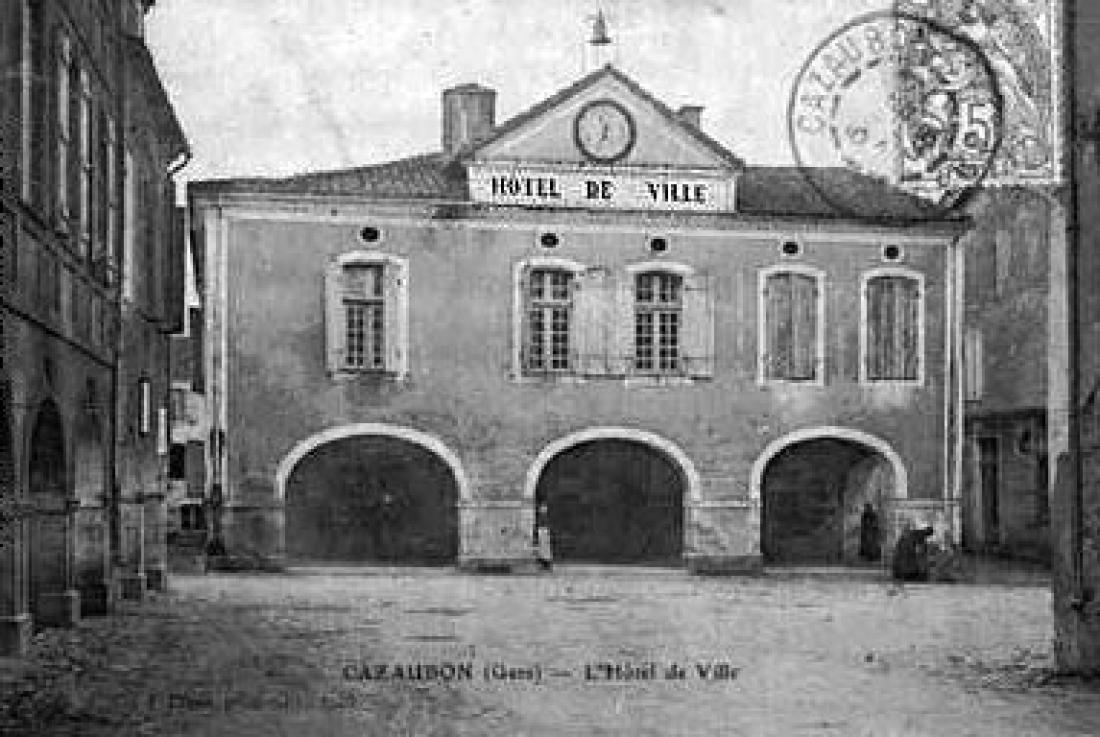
x=899 y=99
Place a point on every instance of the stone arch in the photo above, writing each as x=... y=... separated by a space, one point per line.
x=760 y=465
x=692 y=491
x=422 y=439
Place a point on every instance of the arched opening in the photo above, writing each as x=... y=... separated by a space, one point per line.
x=613 y=500
x=371 y=498
x=48 y=548
x=815 y=495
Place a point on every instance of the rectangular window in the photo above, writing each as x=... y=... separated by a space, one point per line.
x=63 y=122
x=364 y=318
x=366 y=309
x=792 y=346
x=129 y=225
x=892 y=342
x=973 y=364
x=658 y=319
x=85 y=121
x=549 y=315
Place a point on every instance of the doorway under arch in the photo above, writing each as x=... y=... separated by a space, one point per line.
x=48 y=547
x=815 y=493
x=613 y=499
x=373 y=496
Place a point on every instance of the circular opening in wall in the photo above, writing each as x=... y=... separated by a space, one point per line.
x=658 y=245
x=370 y=234
x=790 y=248
x=891 y=252
x=549 y=240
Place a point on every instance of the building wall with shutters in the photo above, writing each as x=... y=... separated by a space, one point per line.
x=461 y=377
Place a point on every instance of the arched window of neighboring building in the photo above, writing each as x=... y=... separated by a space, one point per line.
x=892 y=339
x=366 y=306
x=792 y=330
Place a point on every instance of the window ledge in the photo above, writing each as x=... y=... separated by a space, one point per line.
x=627 y=380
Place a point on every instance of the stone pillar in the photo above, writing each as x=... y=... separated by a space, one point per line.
x=722 y=537
x=1075 y=504
x=496 y=535
x=132 y=571
x=58 y=603
x=92 y=562
x=15 y=620
x=155 y=523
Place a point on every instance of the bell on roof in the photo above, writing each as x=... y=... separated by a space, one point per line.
x=599 y=31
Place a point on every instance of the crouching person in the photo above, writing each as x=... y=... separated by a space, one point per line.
x=911 y=555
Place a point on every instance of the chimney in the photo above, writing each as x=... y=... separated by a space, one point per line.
x=468 y=115
x=691 y=114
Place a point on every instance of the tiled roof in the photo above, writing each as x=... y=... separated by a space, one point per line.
x=762 y=190
x=426 y=177
x=826 y=192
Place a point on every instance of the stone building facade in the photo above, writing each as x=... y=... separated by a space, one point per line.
x=592 y=315
x=1015 y=378
x=87 y=135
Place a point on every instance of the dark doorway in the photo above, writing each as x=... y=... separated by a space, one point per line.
x=814 y=493
x=614 y=501
x=988 y=474
x=48 y=549
x=372 y=498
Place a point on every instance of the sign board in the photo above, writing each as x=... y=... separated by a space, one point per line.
x=601 y=188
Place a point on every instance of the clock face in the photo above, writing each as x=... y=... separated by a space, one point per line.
x=604 y=131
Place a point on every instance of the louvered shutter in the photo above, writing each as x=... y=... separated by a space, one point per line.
x=334 y=319
x=394 y=318
x=592 y=322
x=777 y=322
x=522 y=331
x=909 y=318
x=697 y=340
x=804 y=319
x=621 y=332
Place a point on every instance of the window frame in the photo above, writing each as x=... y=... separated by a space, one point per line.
x=520 y=270
x=763 y=275
x=683 y=272
x=865 y=278
x=395 y=324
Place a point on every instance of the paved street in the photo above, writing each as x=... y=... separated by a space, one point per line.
x=581 y=651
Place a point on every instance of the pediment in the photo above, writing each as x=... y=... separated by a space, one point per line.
x=548 y=132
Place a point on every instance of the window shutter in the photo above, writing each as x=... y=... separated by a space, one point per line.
x=522 y=331
x=909 y=316
x=875 y=358
x=698 y=327
x=395 y=317
x=589 y=333
x=804 y=319
x=621 y=332
x=334 y=320
x=777 y=321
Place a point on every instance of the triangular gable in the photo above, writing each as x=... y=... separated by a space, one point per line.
x=546 y=133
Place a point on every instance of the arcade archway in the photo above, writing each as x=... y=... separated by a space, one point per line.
x=371 y=496
x=814 y=493
x=613 y=499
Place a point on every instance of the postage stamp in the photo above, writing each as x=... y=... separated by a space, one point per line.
x=1022 y=42
x=900 y=98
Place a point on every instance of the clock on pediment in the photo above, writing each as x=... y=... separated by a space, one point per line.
x=604 y=131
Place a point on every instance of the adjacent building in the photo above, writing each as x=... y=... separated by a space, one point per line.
x=88 y=262
x=592 y=314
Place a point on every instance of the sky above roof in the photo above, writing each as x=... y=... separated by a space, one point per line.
x=284 y=86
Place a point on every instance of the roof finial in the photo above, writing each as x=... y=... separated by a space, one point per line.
x=599 y=31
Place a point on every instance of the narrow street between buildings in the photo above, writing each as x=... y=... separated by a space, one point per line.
x=583 y=650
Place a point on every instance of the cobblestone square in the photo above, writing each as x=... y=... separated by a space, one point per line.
x=579 y=651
